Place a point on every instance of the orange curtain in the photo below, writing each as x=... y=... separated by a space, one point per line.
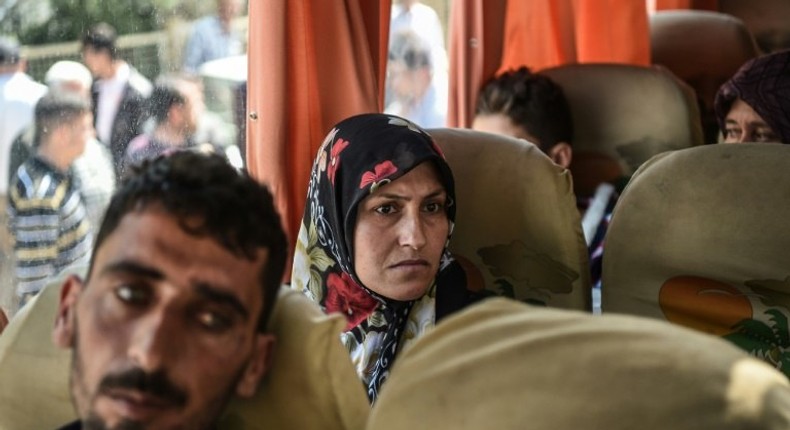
x=311 y=64
x=538 y=34
x=475 y=53
x=612 y=31
x=687 y=4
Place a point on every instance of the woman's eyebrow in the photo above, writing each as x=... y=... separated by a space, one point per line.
x=394 y=196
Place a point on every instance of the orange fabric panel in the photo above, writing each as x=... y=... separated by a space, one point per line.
x=311 y=64
x=475 y=53
x=538 y=34
x=687 y=4
x=612 y=31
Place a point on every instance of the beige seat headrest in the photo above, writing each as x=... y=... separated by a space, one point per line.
x=517 y=232
x=312 y=383
x=505 y=365
x=699 y=238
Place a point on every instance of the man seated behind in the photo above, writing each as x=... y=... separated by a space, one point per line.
x=175 y=105
x=754 y=105
x=47 y=217
x=169 y=323
x=531 y=106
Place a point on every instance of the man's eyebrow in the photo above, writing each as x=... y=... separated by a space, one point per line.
x=132 y=268
x=222 y=297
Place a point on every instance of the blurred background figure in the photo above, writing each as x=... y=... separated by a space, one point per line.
x=94 y=173
x=176 y=106
x=18 y=96
x=47 y=217
x=414 y=93
x=213 y=37
x=119 y=92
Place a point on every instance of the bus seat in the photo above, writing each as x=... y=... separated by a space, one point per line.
x=699 y=238
x=766 y=19
x=702 y=48
x=624 y=114
x=518 y=232
x=508 y=366
x=309 y=360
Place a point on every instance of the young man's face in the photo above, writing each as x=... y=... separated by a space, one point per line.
x=164 y=332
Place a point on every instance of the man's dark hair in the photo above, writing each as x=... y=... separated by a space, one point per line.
x=168 y=91
x=55 y=109
x=533 y=102
x=101 y=37
x=210 y=198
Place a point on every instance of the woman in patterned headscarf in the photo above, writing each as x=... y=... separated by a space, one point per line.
x=373 y=243
x=754 y=106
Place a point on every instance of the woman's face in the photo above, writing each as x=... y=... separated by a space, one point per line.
x=400 y=234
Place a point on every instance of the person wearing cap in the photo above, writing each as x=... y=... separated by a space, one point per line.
x=18 y=95
x=754 y=105
x=93 y=170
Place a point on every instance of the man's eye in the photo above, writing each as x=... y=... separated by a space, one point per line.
x=766 y=136
x=133 y=295
x=214 y=321
x=732 y=132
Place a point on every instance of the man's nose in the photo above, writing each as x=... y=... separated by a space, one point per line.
x=152 y=341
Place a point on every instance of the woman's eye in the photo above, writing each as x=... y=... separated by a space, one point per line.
x=433 y=207
x=766 y=137
x=132 y=294
x=385 y=209
x=731 y=132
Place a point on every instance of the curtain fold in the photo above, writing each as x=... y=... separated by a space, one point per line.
x=612 y=31
x=311 y=64
x=475 y=53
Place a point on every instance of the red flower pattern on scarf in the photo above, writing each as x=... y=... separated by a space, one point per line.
x=347 y=297
x=381 y=171
x=334 y=159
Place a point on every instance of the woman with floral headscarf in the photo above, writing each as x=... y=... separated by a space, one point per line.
x=373 y=243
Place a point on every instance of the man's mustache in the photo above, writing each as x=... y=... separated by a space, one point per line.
x=155 y=384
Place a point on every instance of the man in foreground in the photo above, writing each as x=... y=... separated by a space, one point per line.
x=168 y=325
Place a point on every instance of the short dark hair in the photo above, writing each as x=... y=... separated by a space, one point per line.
x=230 y=207
x=57 y=108
x=411 y=49
x=532 y=101
x=9 y=52
x=168 y=91
x=101 y=37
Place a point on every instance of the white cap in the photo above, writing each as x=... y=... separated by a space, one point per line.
x=68 y=71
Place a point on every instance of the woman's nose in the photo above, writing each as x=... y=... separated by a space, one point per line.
x=412 y=231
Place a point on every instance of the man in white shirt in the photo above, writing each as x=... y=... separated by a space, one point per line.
x=119 y=92
x=213 y=37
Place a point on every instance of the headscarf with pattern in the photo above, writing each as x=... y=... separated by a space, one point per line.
x=764 y=84
x=359 y=155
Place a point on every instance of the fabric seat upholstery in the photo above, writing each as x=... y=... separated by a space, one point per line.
x=699 y=238
x=518 y=232
x=624 y=115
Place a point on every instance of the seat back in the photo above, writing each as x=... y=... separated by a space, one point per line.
x=689 y=43
x=508 y=366
x=518 y=232
x=766 y=19
x=699 y=238
x=623 y=115
x=309 y=361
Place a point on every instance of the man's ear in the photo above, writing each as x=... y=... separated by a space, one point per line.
x=63 y=333
x=561 y=153
x=259 y=364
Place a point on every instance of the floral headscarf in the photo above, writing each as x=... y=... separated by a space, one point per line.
x=359 y=155
x=764 y=84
